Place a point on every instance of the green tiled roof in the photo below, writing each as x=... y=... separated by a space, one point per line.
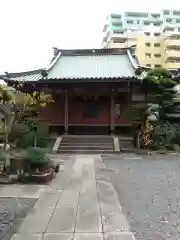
x=82 y=64
x=94 y=66
x=29 y=76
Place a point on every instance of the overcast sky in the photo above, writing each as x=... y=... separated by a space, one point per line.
x=30 y=28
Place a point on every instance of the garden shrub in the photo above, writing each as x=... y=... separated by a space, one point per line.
x=37 y=159
x=28 y=139
x=18 y=131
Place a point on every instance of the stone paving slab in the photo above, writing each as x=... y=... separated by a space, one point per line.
x=17 y=190
x=88 y=236
x=27 y=237
x=119 y=236
x=58 y=236
x=63 y=220
x=88 y=215
x=48 y=199
x=36 y=221
x=69 y=198
x=88 y=219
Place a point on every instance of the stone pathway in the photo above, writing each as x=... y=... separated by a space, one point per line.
x=80 y=204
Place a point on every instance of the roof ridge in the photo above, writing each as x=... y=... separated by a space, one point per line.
x=53 y=63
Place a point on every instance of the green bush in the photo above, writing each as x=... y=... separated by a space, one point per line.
x=177 y=137
x=36 y=158
x=18 y=131
x=28 y=139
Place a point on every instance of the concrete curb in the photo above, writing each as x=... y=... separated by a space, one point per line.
x=57 y=144
x=116 y=145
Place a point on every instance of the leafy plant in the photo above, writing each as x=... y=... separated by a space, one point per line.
x=37 y=159
x=28 y=139
x=18 y=131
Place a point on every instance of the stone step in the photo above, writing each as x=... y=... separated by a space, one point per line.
x=86 y=140
x=86 y=144
x=85 y=151
x=86 y=147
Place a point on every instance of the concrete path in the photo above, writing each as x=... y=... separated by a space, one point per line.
x=80 y=204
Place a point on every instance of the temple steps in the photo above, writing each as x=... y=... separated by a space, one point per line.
x=86 y=144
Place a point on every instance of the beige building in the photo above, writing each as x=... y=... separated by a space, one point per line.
x=159 y=48
x=156 y=36
x=149 y=47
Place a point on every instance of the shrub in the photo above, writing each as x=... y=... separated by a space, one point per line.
x=36 y=158
x=28 y=140
x=18 y=131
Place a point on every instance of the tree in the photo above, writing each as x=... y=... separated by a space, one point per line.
x=159 y=82
x=30 y=111
x=7 y=113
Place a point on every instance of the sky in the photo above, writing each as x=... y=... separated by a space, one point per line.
x=30 y=28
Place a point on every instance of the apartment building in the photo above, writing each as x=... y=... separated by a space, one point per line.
x=149 y=47
x=156 y=36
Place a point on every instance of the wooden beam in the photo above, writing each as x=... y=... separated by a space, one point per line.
x=112 y=112
x=66 y=112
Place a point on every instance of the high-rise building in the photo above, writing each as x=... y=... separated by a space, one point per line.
x=156 y=36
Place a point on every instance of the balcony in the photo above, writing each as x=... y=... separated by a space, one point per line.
x=172 y=35
x=116 y=44
x=172 y=42
x=117 y=23
x=137 y=14
x=116 y=16
x=172 y=65
x=173 y=54
x=119 y=36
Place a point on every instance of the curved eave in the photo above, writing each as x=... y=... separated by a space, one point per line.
x=74 y=80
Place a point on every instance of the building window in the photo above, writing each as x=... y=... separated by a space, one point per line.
x=157 y=24
x=146 y=23
x=130 y=21
x=117 y=24
x=115 y=16
x=178 y=20
x=166 y=12
x=148 y=55
x=168 y=19
x=119 y=40
x=148 y=65
x=157 y=65
x=157 y=45
x=147 y=33
x=157 y=55
x=148 y=44
x=176 y=12
x=138 y=21
x=173 y=60
x=157 y=34
x=118 y=31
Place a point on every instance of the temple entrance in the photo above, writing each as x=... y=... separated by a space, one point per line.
x=89 y=115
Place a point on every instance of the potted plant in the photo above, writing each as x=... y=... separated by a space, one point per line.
x=38 y=165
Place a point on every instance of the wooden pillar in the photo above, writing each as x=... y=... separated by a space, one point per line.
x=129 y=99
x=112 y=112
x=66 y=112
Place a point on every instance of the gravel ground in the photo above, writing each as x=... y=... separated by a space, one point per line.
x=149 y=192
x=12 y=212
